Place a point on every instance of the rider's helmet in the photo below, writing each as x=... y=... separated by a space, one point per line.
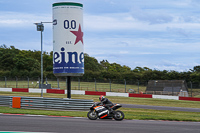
x=101 y=97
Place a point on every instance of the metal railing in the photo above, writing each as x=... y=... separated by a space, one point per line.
x=131 y=86
x=48 y=103
x=76 y=84
x=5 y=100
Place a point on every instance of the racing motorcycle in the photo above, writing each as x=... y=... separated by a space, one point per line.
x=97 y=110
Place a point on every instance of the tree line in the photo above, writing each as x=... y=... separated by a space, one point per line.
x=26 y=63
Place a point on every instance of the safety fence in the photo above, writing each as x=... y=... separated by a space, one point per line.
x=107 y=85
x=45 y=103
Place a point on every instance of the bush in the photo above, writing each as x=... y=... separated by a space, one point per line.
x=35 y=73
x=5 y=74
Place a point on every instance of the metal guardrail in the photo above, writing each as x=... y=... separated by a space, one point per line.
x=55 y=103
x=49 y=103
x=5 y=100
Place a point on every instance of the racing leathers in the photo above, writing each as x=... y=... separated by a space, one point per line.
x=108 y=104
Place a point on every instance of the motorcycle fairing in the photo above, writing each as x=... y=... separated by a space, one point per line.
x=102 y=111
x=116 y=106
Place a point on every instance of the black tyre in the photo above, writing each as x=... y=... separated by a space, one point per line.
x=92 y=115
x=118 y=115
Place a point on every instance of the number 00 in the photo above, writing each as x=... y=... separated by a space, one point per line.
x=70 y=25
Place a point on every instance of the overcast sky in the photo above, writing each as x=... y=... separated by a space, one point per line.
x=159 y=34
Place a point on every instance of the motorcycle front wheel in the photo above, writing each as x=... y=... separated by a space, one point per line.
x=118 y=115
x=92 y=115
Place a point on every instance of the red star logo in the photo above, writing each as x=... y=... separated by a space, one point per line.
x=78 y=34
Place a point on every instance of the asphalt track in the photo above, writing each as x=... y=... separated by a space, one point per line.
x=34 y=123
x=161 y=107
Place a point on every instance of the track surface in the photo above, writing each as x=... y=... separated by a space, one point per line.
x=83 y=125
x=161 y=107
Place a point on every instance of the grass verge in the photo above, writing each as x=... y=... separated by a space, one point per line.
x=149 y=114
x=139 y=114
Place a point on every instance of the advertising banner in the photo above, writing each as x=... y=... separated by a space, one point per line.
x=68 y=46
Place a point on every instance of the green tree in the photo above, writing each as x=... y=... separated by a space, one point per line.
x=26 y=63
x=91 y=63
x=105 y=64
x=7 y=57
x=196 y=69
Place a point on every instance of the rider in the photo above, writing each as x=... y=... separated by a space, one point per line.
x=106 y=103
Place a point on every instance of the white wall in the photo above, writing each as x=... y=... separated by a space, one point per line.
x=117 y=94
x=165 y=97
x=6 y=89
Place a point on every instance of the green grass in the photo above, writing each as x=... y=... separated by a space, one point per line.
x=149 y=114
x=42 y=112
x=139 y=114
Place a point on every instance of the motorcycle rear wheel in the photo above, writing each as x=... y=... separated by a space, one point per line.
x=92 y=115
x=118 y=115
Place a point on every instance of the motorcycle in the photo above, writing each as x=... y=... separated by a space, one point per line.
x=97 y=110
